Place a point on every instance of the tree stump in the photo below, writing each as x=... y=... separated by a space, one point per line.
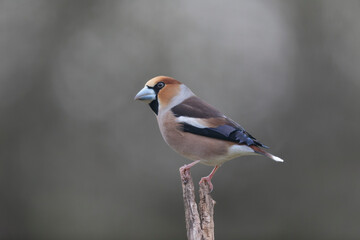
x=199 y=221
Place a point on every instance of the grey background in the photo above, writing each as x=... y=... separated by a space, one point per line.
x=79 y=159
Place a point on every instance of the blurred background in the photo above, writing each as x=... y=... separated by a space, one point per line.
x=79 y=159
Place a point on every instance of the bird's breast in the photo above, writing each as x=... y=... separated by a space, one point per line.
x=210 y=151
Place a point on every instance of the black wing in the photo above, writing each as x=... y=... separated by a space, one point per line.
x=226 y=129
x=224 y=132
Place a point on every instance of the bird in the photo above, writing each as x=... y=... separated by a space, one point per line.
x=195 y=129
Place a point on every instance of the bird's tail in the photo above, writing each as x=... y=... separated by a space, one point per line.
x=265 y=153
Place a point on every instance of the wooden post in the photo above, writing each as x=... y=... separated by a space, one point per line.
x=206 y=209
x=199 y=222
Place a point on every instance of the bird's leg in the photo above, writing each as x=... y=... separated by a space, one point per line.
x=209 y=177
x=188 y=166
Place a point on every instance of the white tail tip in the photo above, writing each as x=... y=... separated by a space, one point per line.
x=277 y=159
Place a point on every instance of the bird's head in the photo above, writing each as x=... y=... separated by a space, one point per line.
x=160 y=92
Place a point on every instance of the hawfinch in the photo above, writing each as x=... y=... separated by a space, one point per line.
x=195 y=129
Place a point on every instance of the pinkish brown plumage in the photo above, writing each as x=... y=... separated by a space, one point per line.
x=194 y=128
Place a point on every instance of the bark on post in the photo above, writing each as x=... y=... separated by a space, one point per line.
x=206 y=209
x=199 y=222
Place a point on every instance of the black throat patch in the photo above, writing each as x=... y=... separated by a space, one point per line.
x=154 y=105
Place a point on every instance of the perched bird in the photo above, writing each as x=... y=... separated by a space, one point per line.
x=195 y=129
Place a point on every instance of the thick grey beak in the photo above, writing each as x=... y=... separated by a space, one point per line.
x=146 y=94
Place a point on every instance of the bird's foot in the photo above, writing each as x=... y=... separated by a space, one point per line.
x=187 y=167
x=207 y=180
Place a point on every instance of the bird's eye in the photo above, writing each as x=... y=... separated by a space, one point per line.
x=160 y=85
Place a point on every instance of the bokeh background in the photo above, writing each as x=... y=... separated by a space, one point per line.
x=79 y=159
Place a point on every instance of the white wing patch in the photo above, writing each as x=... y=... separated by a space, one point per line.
x=192 y=121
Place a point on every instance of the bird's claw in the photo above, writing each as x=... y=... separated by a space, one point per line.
x=184 y=168
x=207 y=180
x=187 y=167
